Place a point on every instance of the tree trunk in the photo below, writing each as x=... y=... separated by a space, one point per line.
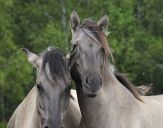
x=64 y=24
x=138 y=10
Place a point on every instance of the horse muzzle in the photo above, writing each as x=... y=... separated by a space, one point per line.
x=91 y=85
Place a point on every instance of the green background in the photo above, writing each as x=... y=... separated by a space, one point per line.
x=136 y=39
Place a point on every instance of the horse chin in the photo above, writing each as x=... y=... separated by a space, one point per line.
x=53 y=123
x=88 y=92
x=91 y=95
x=54 y=126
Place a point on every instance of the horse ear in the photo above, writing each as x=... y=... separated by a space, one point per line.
x=67 y=58
x=34 y=59
x=103 y=23
x=74 y=20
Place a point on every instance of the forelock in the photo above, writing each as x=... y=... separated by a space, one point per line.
x=54 y=64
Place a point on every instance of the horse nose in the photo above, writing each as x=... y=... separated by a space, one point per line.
x=62 y=126
x=94 y=82
x=47 y=127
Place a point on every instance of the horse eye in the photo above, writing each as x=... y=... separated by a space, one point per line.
x=67 y=90
x=73 y=47
x=91 y=45
x=39 y=87
x=102 y=54
x=102 y=50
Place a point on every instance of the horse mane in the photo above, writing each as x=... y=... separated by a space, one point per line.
x=54 y=58
x=92 y=26
x=122 y=79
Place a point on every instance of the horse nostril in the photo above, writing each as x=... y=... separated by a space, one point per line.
x=46 y=127
x=87 y=80
x=94 y=80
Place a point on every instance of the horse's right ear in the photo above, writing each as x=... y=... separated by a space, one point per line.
x=34 y=59
x=74 y=21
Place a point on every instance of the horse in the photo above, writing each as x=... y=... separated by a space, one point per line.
x=50 y=103
x=106 y=100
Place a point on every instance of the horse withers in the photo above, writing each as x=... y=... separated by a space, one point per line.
x=48 y=105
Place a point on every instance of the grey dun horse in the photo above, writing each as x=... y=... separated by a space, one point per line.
x=106 y=100
x=48 y=104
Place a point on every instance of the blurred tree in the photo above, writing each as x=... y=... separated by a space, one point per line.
x=136 y=29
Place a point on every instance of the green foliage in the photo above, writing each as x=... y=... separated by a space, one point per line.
x=136 y=29
x=2 y=125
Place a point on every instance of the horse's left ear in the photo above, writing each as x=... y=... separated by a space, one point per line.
x=103 y=23
x=34 y=59
x=74 y=20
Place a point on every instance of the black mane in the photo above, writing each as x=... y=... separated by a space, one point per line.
x=124 y=81
x=57 y=65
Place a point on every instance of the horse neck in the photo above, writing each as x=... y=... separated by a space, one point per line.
x=113 y=88
x=112 y=99
x=36 y=117
x=73 y=115
x=36 y=120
